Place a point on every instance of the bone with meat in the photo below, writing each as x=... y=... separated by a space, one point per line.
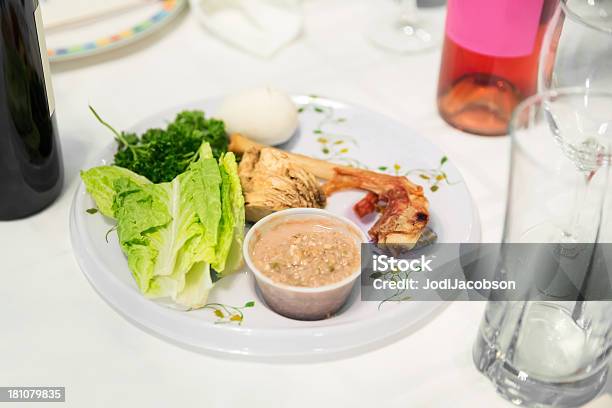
x=271 y=182
x=405 y=214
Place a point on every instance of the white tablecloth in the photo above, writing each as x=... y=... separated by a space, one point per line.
x=55 y=330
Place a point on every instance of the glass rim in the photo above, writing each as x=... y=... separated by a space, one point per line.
x=552 y=94
x=575 y=17
x=539 y=99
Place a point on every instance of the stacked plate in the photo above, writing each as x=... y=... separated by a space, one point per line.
x=77 y=29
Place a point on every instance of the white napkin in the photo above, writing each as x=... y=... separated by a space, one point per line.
x=261 y=27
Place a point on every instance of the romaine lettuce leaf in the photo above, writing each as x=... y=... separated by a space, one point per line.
x=165 y=229
x=99 y=182
x=174 y=233
x=231 y=228
x=198 y=283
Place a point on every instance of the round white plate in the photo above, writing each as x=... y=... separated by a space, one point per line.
x=328 y=129
x=78 y=29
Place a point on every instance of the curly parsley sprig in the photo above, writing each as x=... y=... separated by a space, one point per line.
x=162 y=154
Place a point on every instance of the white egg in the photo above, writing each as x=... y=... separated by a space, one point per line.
x=265 y=115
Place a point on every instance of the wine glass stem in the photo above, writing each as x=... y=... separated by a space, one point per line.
x=585 y=199
x=582 y=195
x=408 y=11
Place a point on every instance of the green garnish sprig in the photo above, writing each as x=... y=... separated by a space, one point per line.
x=162 y=154
x=228 y=314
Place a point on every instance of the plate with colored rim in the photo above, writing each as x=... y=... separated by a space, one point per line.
x=331 y=130
x=73 y=31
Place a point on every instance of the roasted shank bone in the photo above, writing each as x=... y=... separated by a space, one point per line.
x=271 y=182
x=403 y=219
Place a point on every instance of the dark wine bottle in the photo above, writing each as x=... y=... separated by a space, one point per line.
x=31 y=171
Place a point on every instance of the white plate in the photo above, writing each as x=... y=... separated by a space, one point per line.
x=73 y=32
x=327 y=127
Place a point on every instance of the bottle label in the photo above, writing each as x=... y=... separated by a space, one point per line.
x=42 y=46
x=499 y=28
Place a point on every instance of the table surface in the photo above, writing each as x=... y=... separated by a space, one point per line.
x=57 y=331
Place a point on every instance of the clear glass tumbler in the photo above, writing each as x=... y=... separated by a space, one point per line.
x=554 y=352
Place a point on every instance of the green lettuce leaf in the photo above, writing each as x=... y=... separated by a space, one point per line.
x=231 y=228
x=168 y=231
x=144 y=218
x=175 y=233
x=99 y=182
x=198 y=283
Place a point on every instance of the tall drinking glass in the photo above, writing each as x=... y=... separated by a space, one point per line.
x=577 y=49
x=554 y=351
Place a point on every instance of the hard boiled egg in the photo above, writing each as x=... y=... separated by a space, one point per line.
x=265 y=115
